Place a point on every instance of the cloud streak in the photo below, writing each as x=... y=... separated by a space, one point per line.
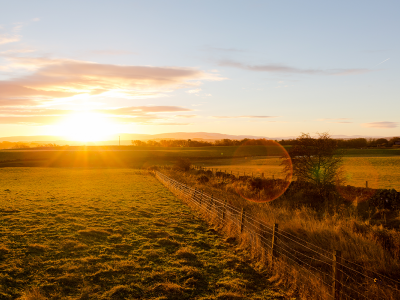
x=6 y=37
x=241 y=117
x=279 y=68
x=381 y=124
x=382 y=62
x=60 y=78
x=146 y=115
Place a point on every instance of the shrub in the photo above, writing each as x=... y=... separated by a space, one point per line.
x=183 y=164
x=203 y=179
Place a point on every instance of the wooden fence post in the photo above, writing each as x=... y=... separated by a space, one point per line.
x=242 y=219
x=262 y=175
x=273 y=177
x=366 y=184
x=336 y=275
x=274 y=241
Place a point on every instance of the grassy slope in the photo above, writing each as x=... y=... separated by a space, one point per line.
x=112 y=234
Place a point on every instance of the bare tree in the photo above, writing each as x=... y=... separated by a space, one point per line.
x=315 y=160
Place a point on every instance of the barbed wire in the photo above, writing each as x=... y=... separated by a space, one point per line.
x=215 y=207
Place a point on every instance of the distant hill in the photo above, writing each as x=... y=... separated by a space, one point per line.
x=188 y=135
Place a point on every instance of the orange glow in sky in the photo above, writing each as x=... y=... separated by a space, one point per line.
x=86 y=127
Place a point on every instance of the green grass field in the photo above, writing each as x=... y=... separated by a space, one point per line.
x=119 y=157
x=380 y=172
x=378 y=166
x=112 y=234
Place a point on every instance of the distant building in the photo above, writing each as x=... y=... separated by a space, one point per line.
x=397 y=143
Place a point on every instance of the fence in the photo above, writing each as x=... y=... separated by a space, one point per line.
x=238 y=174
x=224 y=173
x=334 y=276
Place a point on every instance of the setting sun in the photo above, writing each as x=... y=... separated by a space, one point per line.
x=86 y=127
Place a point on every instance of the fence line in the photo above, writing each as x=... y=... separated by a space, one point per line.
x=334 y=273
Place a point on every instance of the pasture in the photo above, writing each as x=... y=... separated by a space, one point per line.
x=121 y=156
x=112 y=234
x=380 y=172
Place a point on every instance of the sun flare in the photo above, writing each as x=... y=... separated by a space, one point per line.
x=86 y=127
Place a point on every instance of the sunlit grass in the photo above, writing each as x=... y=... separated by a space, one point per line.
x=111 y=234
x=380 y=172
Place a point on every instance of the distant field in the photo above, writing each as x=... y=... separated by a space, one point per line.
x=373 y=152
x=111 y=234
x=139 y=157
x=380 y=172
x=124 y=156
x=246 y=166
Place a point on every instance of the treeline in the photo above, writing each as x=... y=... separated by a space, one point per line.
x=194 y=143
x=22 y=145
x=357 y=143
x=341 y=143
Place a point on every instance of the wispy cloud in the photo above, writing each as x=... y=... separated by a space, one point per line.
x=8 y=38
x=381 y=124
x=14 y=94
x=135 y=110
x=327 y=119
x=250 y=117
x=145 y=115
x=58 y=78
x=12 y=35
x=172 y=124
x=112 y=52
x=336 y=120
x=279 y=68
x=185 y=116
x=195 y=91
x=16 y=51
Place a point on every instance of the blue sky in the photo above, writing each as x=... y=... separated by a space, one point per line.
x=270 y=68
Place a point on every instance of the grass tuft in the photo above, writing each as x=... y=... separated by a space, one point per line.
x=32 y=294
x=94 y=233
x=230 y=296
x=120 y=292
x=186 y=253
x=72 y=245
x=3 y=250
x=169 y=289
x=167 y=242
x=37 y=248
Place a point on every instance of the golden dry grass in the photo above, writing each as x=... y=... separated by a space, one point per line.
x=380 y=172
x=331 y=228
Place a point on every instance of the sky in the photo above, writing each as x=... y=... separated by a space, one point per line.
x=90 y=69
